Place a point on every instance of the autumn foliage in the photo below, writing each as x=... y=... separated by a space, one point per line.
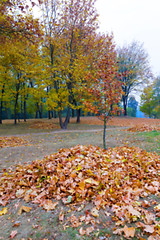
x=117 y=177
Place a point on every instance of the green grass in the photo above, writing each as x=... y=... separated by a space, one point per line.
x=151 y=140
x=150 y=135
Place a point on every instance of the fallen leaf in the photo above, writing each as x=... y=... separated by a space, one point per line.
x=24 y=209
x=149 y=228
x=95 y=212
x=13 y=234
x=157 y=208
x=129 y=232
x=82 y=185
x=4 y=211
x=89 y=230
x=61 y=215
x=118 y=231
x=82 y=231
x=16 y=224
x=49 y=205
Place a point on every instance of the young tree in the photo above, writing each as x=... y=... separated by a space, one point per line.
x=133 y=67
x=104 y=89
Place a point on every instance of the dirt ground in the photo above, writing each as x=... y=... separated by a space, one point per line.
x=44 y=137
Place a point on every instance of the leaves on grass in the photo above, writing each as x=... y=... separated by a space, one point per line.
x=12 y=142
x=116 y=177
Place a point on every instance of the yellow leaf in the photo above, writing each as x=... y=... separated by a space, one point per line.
x=3 y=212
x=25 y=209
x=79 y=167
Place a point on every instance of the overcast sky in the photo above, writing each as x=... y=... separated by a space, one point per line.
x=133 y=20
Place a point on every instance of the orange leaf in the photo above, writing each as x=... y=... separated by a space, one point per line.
x=129 y=232
x=82 y=185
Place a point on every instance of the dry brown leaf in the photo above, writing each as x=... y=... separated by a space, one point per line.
x=61 y=215
x=95 y=212
x=129 y=232
x=13 y=234
x=149 y=228
x=89 y=230
x=49 y=205
x=82 y=231
x=157 y=208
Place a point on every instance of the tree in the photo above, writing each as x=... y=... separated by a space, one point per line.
x=20 y=62
x=105 y=88
x=69 y=28
x=150 y=99
x=18 y=31
x=134 y=69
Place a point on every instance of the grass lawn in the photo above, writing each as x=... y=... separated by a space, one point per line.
x=44 y=137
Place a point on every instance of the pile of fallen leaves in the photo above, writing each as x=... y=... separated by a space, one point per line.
x=117 y=178
x=143 y=128
x=12 y=141
x=43 y=125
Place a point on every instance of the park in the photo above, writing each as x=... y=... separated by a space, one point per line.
x=75 y=161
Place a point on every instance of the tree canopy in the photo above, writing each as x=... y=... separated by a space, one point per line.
x=150 y=99
x=134 y=68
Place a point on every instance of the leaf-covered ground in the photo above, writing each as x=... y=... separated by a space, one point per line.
x=43 y=125
x=143 y=128
x=116 y=180
x=12 y=141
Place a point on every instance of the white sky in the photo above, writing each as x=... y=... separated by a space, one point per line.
x=133 y=20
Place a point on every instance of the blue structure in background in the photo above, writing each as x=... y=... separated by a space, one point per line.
x=140 y=114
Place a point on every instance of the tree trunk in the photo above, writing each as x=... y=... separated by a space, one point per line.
x=1 y=106
x=64 y=124
x=55 y=114
x=15 y=109
x=6 y=111
x=49 y=115
x=36 y=116
x=125 y=105
x=78 y=115
x=104 y=134
x=25 y=110
x=73 y=113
